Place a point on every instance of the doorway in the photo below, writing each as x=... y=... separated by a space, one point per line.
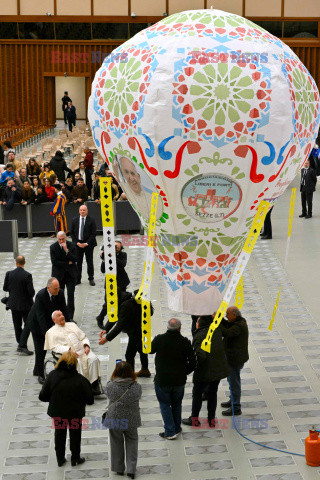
x=76 y=88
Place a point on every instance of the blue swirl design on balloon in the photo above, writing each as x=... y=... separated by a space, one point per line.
x=161 y=149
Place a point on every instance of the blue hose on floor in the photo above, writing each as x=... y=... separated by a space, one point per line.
x=252 y=441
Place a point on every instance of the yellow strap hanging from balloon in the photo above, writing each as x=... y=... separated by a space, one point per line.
x=238 y=271
x=143 y=295
x=239 y=294
x=290 y=222
x=275 y=308
x=109 y=248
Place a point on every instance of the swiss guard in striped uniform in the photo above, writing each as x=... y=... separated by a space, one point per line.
x=58 y=210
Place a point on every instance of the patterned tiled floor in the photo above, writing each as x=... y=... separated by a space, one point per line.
x=281 y=388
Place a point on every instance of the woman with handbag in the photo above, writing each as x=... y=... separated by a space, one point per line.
x=68 y=393
x=122 y=417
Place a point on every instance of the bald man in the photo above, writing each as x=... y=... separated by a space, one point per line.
x=83 y=233
x=47 y=300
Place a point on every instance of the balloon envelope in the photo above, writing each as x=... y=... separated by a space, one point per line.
x=215 y=114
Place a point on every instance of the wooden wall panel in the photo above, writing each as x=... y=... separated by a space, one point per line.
x=26 y=68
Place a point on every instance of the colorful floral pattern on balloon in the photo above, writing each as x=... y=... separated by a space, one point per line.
x=211 y=25
x=233 y=109
x=116 y=92
x=196 y=274
x=305 y=99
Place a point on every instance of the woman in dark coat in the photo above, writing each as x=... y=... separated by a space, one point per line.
x=68 y=393
x=59 y=166
x=122 y=418
x=211 y=368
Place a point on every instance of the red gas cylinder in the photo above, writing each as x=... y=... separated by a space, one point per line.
x=312 y=444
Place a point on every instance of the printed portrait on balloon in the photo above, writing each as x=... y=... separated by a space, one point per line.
x=136 y=185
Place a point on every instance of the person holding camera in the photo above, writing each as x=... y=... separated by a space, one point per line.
x=19 y=284
x=122 y=277
x=122 y=417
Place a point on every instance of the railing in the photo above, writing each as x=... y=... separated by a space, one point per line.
x=35 y=218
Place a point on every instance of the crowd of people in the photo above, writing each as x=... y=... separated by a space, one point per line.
x=36 y=183
x=76 y=379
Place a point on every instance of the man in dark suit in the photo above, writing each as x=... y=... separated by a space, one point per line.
x=83 y=233
x=47 y=301
x=307 y=187
x=71 y=115
x=63 y=256
x=19 y=284
x=65 y=99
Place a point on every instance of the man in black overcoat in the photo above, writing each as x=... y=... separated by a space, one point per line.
x=19 y=284
x=63 y=256
x=65 y=99
x=307 y=187
x=235 y=337
x=47 y=301
x=129 y=322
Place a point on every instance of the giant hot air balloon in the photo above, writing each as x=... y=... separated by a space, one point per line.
x=215 y=114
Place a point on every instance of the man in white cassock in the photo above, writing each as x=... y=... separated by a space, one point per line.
x=65 y=335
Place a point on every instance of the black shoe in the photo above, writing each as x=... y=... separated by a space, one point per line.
x=228 y=412
x=226 y=404
x=92 y=283
x=41 y=380
x=180 y=431
x=191 y=422
x=24 y=350
x=78 y=282
x=302 y=215
x=308 y=216
x=167 y=437
x=131 y=475
x=61 y=462
x=77 y=461
x=214 y=423
x=100 y=322
x=266 y=237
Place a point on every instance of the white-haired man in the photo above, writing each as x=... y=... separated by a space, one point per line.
x=135 y=189
x=63 y=256
x=64 y=335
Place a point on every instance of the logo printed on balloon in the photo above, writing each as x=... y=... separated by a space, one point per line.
x=211 y=198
